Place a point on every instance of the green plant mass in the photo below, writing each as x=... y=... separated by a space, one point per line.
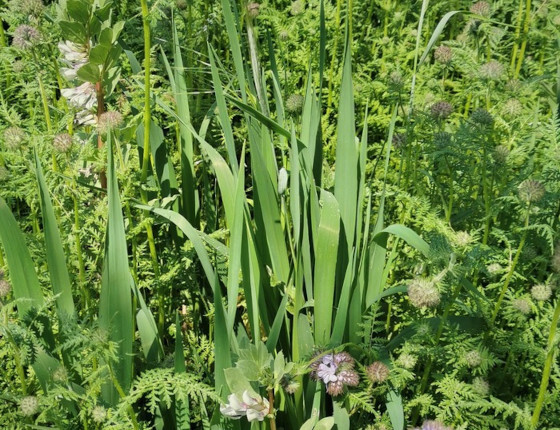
x=280 y=214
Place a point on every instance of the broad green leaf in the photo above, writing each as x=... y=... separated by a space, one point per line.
x=395 y=409
x=89 y=72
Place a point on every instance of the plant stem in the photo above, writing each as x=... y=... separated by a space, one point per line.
x=525 y=34
x=255 y=64
x=547 y=367
x=271 y=409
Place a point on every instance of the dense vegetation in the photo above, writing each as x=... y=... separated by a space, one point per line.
x=304 y=214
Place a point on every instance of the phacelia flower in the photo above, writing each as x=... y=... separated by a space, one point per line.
x=481 y=8
x=377 y=372
x=481 y=386
x=462 y=239
x=541 y=292
x=522 y=305
x=493 y=70
x=396 y=80
x=26 y=37
x=109 y=121
x=5 y=288
x=284 y=34
x=512 y=108
x=443 y=54
x=252 y=406
x=29 y=406
x=482 y=118
x=423 y=293
x=99 y=414
x=531 y=190
x=294 y=104
x=289 y=384
x=14 y=137
x=407 y=361
x=473 y=358
x=336 y=371
x=441 y=109
x=62 y=143
x=297 y=8
x=501 y=154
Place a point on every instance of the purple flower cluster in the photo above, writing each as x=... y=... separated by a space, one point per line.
x=336 y=371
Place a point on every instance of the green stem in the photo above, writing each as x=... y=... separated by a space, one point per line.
x=255 y=64
x=511 y=271
x=547 y=367
x=17 y=360
x=524 y=43
x=517 y=34
x=122 y=395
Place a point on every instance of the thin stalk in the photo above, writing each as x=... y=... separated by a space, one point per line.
x=122 y=395
x=271 y=409
x=511 y=270
x=525 y=34
x=17 y=360
x=255 y=63
x=547 y=367
x=517 y=34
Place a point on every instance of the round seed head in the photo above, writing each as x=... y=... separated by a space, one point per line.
x=473 y=358
x=541 y=292
x=344 y=360
x=294 y=104
x=501 y=154
x=482 y=118
x=29 y=406
x=5 y=288
x=494 y=269
x=377 y=372
x=14 y=137
x=407 y=361
x=513 y=86
x=492 y=71
x=522 y=305
x=531 y=190
x=253 y=9
x=62 y=143
x=99 y=414
x=441 y=110
x=26 y=37
x=512 y=108
x=481 y=386
x=481 y=8
x=297 y=7
x=4 y=174
x=443 y=55
x=109 y=121
x=423 y=293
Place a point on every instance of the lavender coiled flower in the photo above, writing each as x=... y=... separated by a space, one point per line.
x=336 y=371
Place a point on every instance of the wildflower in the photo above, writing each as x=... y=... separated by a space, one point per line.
x=423 y=293
x=336 y=371
x=297 y=7
x=443 y=54
x=26 y=37
x=494 y=268
x=541 y=292
x=481 y=8
x=99 y=414
x=481 y=386
x=441 y=109
x=482 y=117
x=289 y=384
x=253 y=9
x=473 y=358
x=493 y=70
x=512 y=108
x=85 y=117
x=396 y=80
x=83 y=97
x=294 y=104
x=522 y=305
x=407 y=361
x=29 y=406
x=253 y=406
x=377 y=372
x=463 y=239
x=5 y=288
x=109 y=121
x=13 y=138
x=4 y=174
x=75 y=56
x=282 y=180
x=531 y=190
x=28 y=7
x=513 y=86
x=501 y=154
x=62 y=142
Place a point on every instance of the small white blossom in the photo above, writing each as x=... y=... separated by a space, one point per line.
x=254 y=407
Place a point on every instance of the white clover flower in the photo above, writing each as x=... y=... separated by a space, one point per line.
x=254 y=407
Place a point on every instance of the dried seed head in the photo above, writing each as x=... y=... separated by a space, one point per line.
x=481 y=8
x=494 y=269
x=522 y=305
x=109 y=121
x=62 y=143
x=423 y=293
x=473 y=358
x=493 y=70
x=294 y=104
x=253 y=9
x=512 y=108
x=99 y=414
x=5 y=288
x=4 y=174
x=26 y=37
x=501 y=154
x=14 y=137
x=443 y=54
x=377 y=372
x=541 y=292
x=29 y=406
x=441 y=109
x=407 y=361
x=297 y=7
x=482 y=118
x=481 y=386
x=531 y=190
